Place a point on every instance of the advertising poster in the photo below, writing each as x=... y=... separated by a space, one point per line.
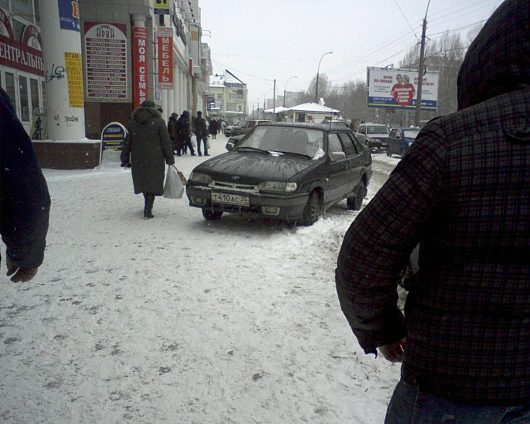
x=165 y=57
x=139 y=53
x=106 y=60
x=113 y=136
x=397 y=88
x=74 y=77
x=161 y=7
x=69 y=15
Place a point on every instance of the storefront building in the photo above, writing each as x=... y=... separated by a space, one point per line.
x=86 y=63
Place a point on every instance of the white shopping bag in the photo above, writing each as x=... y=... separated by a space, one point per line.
x=173 y=187
x=194 y=141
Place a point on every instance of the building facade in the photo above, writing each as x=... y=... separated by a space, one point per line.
x=227 y=97
x=85 y=63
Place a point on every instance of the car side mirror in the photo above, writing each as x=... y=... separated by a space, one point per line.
x=336 y=156
x=230 y=145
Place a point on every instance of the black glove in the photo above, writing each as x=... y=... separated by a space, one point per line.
x=125 y=165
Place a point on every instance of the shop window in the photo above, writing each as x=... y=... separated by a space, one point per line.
x=35 y=98
x=10 y=88
x=23 y=9
x=24 y=98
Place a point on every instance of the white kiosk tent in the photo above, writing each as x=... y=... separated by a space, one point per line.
x=312 y=113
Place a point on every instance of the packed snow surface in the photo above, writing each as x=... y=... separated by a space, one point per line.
x=181 y=320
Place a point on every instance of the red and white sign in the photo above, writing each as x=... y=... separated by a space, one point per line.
x=24 y=54
x=165 y=57
x=140 y=78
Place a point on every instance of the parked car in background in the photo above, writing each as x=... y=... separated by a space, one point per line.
x=400 y=139
x=286 y=171
x=233 y=140
x=373 y=135
x=233 y=129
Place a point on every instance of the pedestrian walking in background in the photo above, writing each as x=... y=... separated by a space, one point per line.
x=184 y=133
x=200 y=129
x=462 y=192
x=24 y=198
x=214 y=128
x=146 y=148
x=173 y=133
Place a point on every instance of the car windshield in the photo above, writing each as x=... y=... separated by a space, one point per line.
x=410 y=133
x=377 y=129
x=286 y=140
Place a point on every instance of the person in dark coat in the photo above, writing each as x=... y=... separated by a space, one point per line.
x=146 y=148
x=173 y=133
x=24 y=198
x=214 y=128
x=462 y=192
x=200 y=129
x=184 y=132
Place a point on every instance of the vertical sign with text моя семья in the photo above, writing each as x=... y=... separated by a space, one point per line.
x=139 y=54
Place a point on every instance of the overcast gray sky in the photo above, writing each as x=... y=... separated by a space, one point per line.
x=263 y=40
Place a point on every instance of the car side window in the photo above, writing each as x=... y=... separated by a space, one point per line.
x=358 y=145
x=334 y=144
x=392 y=133
x=347 y=143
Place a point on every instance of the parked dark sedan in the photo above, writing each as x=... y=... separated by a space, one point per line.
x=291 y=172
x=400 y=139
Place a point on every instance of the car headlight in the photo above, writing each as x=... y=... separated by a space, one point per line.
x=200 y=178
x=278 y=186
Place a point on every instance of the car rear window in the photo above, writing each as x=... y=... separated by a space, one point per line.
x=410 y=133
x=377 y=129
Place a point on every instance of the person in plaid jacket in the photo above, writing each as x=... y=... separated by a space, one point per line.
x=462 y=192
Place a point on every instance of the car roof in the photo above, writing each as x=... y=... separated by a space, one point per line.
x=373 y=124
x=324 y=127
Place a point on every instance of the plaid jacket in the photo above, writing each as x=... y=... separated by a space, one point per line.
x=462 y=192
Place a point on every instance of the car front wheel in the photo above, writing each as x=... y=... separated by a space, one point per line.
x=311 y=210
x=211 y=215
x=356 y=202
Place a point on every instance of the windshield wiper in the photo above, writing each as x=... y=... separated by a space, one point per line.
x=294 y=154
x=254 y=149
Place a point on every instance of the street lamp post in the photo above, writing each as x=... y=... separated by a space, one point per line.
x=285 y=88
x=318 y=72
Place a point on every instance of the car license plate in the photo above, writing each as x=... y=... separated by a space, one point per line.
x=230 y=199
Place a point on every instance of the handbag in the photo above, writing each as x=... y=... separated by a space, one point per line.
x=173 y=186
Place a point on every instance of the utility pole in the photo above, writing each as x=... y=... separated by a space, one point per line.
x=420 y=71
x=274 y=100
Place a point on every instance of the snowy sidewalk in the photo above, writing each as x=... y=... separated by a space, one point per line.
x=180 y=320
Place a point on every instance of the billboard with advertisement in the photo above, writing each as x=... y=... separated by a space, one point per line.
x=397 y=88
x=69 y=15
x=106 y=60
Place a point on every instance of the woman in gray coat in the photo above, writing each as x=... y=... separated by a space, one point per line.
x=146 y=148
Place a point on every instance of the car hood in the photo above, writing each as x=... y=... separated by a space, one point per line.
x=252 y=168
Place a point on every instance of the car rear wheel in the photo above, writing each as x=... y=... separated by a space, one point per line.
x=211 y=215
x=311 y=210
x=355 y=203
